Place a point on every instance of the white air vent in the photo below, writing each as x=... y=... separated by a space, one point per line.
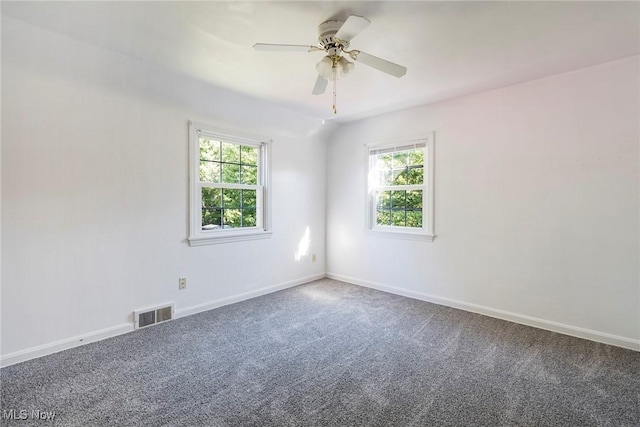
x=153 y=315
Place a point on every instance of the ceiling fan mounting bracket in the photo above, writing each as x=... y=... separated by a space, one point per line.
x=333 y=50
x=326 y=31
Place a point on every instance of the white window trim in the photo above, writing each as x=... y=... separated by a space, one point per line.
x=198 y=237
x=427 y=232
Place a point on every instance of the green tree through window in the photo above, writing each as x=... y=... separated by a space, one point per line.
x=400 y=176
x=400 y=189
x=229 y=186
x=229 y=175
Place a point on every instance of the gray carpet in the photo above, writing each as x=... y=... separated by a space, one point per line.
x=331 y=354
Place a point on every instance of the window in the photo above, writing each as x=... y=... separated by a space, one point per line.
x=229 y=187
x=400 y=194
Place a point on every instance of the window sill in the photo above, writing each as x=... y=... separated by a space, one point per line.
x=228 y=237
x=406 y=235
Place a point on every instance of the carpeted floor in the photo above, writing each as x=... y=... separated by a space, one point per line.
x=331 y=354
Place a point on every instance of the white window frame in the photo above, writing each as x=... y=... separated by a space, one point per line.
x=426 y=232
x=199 y=237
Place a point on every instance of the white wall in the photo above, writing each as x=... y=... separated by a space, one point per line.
x=95 y=193
x=537 y=204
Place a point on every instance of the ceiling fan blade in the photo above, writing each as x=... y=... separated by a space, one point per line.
x=352 y=27
x=320 y=86
x=268 y=47
x=379 y=64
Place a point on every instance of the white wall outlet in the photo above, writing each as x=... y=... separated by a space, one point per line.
x=182 y=283
x=313 y=257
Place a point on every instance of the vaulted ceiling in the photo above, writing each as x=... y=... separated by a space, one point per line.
x=450 y=48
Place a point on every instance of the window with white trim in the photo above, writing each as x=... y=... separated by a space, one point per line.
x=400 y=189
x=229 y=187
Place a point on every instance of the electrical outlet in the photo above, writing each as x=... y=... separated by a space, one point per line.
x=313 y=258
x=182 y=283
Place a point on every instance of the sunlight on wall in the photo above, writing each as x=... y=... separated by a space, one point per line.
x=303 y=246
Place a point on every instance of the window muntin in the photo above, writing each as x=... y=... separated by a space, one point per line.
x=229 y=180
x=401 y=188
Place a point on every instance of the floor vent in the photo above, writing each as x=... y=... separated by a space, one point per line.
x=152 y=316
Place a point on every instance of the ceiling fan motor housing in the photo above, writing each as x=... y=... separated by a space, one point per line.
x=326 y=31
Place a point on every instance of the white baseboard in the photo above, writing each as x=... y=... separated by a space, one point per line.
x=188 y=311
x=67 y=343
x=64 y=344
x=548 y=325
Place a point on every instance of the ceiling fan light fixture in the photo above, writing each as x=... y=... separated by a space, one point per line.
x=345 y=66
x=326 y=67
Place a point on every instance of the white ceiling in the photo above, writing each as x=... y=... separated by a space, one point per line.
x=449 y=48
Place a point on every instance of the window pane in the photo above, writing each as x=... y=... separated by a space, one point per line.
x=383 y=217
x=248 y=198
x=211 y=198
x=384 y=161
x=209 y=150
x=211 y=218
x=414 y=199
x=398 y=199
x=230 y=153
x=385 y=177
x=211 y=208
x=398 y=218
x=249 y=174
x=416 y=157
x=249 y=155
x=231 y=198
x=400 y=176
x=384 y=199
x=228 y=208
x=399 y=208
x=209 y=171
x=400 y=159
x=248 y=217
x=415 y=175
x=414 y=219
x=400 y=168
x=231 y=173
x=232 y=218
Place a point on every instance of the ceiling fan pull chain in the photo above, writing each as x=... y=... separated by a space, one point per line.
x=335 y=80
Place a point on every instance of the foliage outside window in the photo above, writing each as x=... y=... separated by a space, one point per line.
x=401 y=188
x=228 y=187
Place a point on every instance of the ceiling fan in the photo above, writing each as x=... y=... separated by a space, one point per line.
x=334 y=38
